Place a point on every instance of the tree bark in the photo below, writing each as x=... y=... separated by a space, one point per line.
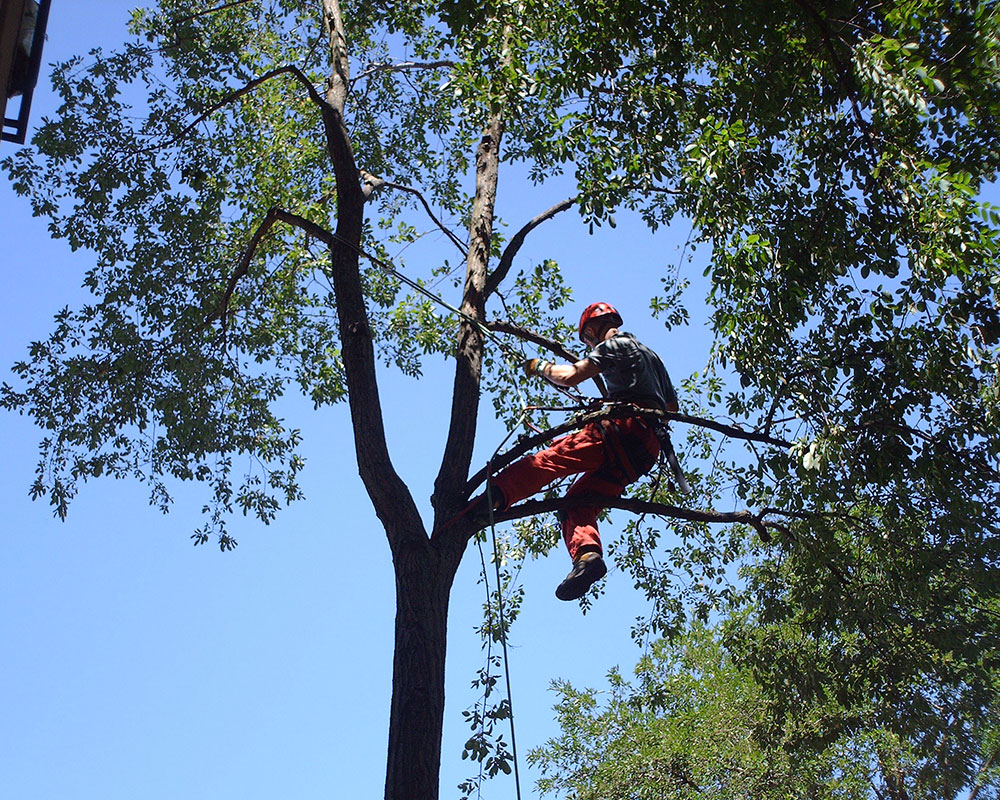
x=424 y=572
x=449 y=488
x=424 y=577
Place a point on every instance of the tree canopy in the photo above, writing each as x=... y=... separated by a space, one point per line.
x=695 y=724
x=242 y=173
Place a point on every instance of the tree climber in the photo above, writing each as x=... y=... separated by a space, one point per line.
x=611 y=454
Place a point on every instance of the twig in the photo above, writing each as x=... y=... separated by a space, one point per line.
x=404 y=66
x=377 y=183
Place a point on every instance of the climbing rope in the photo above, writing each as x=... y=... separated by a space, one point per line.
x=500 y=617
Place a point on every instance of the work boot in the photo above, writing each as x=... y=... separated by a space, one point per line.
x=587 y=570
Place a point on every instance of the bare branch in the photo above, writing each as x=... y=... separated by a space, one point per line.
x=532 y=508
x=507 y=258
x=314 y=230
x=378 y=183
x=404 y=66
x=503 y=326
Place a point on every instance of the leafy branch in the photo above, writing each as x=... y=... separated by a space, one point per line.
x=494 y=280
x=530 y=508
x=288 y=69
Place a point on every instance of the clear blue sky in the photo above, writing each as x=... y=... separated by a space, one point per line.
x=134 y=665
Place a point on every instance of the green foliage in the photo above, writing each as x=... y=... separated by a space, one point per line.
x=695 y=723
x=162 y=164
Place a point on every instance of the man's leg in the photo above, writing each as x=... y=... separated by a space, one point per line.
x=579 y=526
x=582 y=451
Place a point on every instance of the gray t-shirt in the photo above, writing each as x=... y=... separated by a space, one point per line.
x=632 y=372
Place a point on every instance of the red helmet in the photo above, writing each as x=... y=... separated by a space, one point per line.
x=595 y=310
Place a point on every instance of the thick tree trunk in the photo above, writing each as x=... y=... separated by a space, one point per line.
x=424 y=577
x=424 y=565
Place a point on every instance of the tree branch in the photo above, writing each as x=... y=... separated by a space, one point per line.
x=503 y=326
x=221 y=311
x=290 y=69
x=844 y=75
x=377 y=183
x=207 y=11
x=531 y=508
x=507 y=258
x=610 y=412
x=457 y=458
x=404 y=66
x=273 y=215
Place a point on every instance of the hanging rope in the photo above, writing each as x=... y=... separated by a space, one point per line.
x=500 y=616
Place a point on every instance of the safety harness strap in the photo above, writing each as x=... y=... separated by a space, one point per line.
x=627 y=454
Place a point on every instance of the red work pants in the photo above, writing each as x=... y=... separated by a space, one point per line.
x=584 y=451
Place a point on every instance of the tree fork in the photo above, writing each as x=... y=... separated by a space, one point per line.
x=423 y=575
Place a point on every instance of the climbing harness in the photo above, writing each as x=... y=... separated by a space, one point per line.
x=627 y=455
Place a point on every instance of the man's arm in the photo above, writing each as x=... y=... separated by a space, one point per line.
x=563 y=374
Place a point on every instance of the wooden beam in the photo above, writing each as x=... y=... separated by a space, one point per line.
x=11 y=12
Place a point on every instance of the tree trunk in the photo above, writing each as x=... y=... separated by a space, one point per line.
x=424 y=566
x=424 y=578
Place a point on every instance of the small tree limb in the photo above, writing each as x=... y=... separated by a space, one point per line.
x=273 y=215
x=232 y=97
x=377 y=183
x=531 y=508
x=494 y=280
x=221 y=311
x=403 y=66
x=207 y=11
x=504 y=326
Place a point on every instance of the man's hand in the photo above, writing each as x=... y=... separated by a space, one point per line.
x=534 y=366
x=561 y=374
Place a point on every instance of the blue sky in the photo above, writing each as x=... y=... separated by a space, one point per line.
x=135 y=665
